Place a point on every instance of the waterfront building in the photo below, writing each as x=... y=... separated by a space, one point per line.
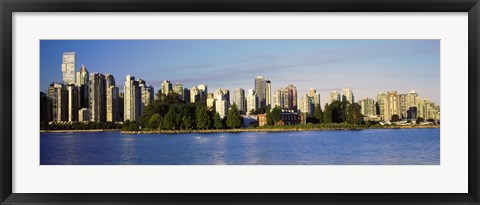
x=305 y=104
x=334 y=96
x=269 y=93
x=83 y=87
x=73 y=102
x=221 y=106
x=166 y=87
x=84 y=115
x=291 y=98
x=368 y=107
x=347 y=96
x=132 y=99
x=58 y=95
x=402 y=98
x=239 y=100
x=391 y=105
x=380 y=106
x=45 y=108
x=178 y=88
x=68 y=68
x=98 y=97
x=261 y=91
x=112 y=104
x=251 y=101
x=316 y=99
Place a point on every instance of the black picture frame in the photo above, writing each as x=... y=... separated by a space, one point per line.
x=7 y=7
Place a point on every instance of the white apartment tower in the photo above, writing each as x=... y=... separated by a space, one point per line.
x=68 y=68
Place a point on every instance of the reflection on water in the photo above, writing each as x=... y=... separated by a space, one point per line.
x=368 y=147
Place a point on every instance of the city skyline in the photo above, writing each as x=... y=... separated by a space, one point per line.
x=424 y=54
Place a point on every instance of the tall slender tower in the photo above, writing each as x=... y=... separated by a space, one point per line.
x=68 y=68
x=239 y=100
x=268 y=93
x=132 y=99
x=98 y=93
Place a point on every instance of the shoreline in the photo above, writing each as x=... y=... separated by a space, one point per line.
x=270 y=130
x=95 y=130
x=240 y=130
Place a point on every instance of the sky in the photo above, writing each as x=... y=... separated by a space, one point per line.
x=367 y=67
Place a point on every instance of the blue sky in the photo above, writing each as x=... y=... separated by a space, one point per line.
x=367 y=67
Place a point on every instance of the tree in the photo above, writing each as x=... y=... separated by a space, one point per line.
x=187 y=122
x=155 y=121
x=169 y=120
x=395 y=118
x=234 y=120
x=217 y=121
x=354 y=114
x=419 y=120
x=318 y=113
x=337 y=112
x=327 y=115
x=203 y=120
x=276 y=114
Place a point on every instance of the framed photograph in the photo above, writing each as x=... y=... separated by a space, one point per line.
x=258 y=102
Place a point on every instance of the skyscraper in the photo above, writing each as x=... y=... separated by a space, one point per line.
x=239 y=100
x=178 y=88
x=380 y=106
x=58 y=94
x=402 y=99
x=348 y=96
x=291 y=98
x=278 y=98
x=261 y=91
x=132 y=99
x=110 y=80
x=73 y=102
x=334 y=96
x=68 y=68
x=166 y=87
x=112 y=104
x=391 y=105
x=147 y=94
x=412 y=99
x=226 y=96
x=98 y=92
x=211 y=101
x=311 y=92
x=304 y=105
x=221 y=106
x=269 y=93
x=251 y=101
x=186 y=95
x=83 y=81
x=194 y=94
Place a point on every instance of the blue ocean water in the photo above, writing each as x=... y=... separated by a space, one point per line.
x=339 y=147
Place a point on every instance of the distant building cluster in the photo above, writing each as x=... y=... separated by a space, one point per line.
x=95 y=97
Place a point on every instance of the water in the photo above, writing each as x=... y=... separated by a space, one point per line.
x=361 y=147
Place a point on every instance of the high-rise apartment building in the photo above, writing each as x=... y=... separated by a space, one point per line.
x=239 y=100
x=347 y=96
x=58 y=95
x=211 y=101
x=112 y=104
x=166 y=87
x=251 y=101
x=402 y=98
x=98 y=93
x=291 y=98
x=178 y=88
x=380 y=106
x=311 y=92
x=412 y=97
x=147 y=94
x=186 y=95
x=132 y=99
x=73 y=102
x=226 y=96
x=305 y=105
x=68 y=68
x=368 y=107
x=268 y=93
x=279 y=98
x=334 y=96
x=391 y=105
